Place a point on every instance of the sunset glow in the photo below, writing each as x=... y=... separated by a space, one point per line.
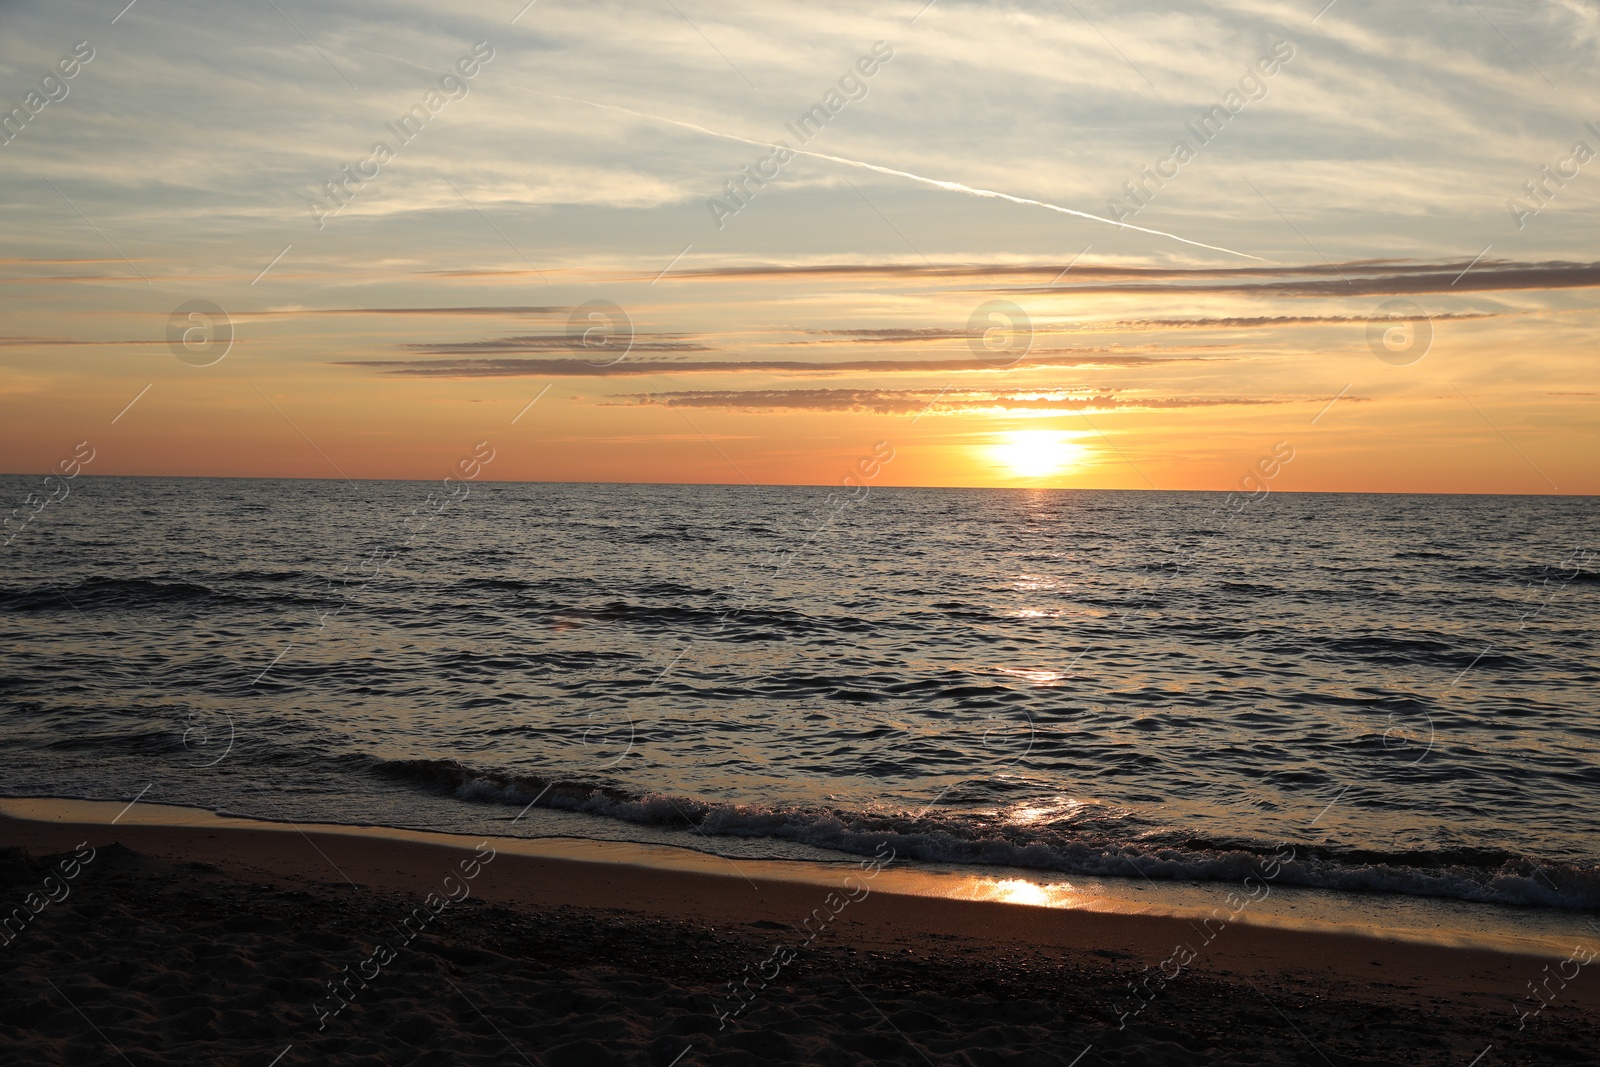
x=707 y=285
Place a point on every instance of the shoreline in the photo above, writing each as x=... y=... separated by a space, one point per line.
x=351 y=934
x=686 y=884
x=1290 y=909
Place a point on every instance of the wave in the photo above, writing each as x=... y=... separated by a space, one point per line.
x=1478 y=875
x=96 y=592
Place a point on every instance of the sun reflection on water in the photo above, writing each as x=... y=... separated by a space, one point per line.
x=1023 y=891
x=1037 y=677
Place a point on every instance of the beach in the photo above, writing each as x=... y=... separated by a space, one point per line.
x=236 y=944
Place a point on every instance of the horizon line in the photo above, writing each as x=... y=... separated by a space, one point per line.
x=813 y=485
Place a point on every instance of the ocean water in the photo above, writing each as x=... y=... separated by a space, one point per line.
x=1135 y=685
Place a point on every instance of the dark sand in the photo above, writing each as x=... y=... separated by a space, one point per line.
x=184 y=945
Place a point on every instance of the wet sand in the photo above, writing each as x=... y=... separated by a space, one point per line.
x=235 y=944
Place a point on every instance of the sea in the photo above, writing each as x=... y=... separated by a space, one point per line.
x=1400 y=691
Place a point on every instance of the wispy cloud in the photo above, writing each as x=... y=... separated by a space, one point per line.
x=32 y=342
x=627 y=368
x=904 y=401
x=917 y=335
x=514 y=311
x=1485 y=277
x=1357 y=277
x=551 y=343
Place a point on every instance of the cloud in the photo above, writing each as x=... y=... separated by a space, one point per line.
x=948 y=271
x=630 y=367
x=54 y=262
x=468 y=311
x=905 y=401
x=30 y=342
x=1252 y=322
x=1484 y=277
x=550 y=343
x=913 y=335
x=266 y=119
x=97 y=278
x=1356 y=277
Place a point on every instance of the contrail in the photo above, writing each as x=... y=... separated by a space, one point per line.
x=937 y=183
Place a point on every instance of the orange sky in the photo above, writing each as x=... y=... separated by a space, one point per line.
x=1124 y=405
x=849 y=300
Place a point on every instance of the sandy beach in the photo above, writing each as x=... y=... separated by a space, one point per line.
x=236 y=944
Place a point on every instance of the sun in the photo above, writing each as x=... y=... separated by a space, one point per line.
x=1032 y=454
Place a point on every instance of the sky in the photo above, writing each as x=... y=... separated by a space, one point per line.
x=1091 y=243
